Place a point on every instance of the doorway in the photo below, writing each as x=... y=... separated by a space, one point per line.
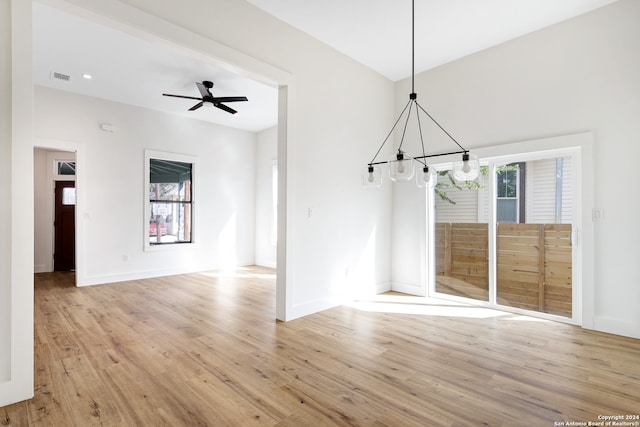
x=64 y=253
x=55 y=188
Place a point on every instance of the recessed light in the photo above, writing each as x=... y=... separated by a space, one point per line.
x=87 y=76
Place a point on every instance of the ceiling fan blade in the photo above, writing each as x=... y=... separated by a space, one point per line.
x=195 y=107
x=203 y=90
x=230 y=99
x=225 y=108
x=180 y=96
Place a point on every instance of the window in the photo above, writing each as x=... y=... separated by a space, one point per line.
x=66 y=167
x=169 y=213
x=69 y=196
x=508 y=193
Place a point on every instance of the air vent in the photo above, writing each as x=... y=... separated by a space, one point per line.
x=60 y=77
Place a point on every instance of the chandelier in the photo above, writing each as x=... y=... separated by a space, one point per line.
x=403 y=166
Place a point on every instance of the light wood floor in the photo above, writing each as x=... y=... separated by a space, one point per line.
x=204 y=350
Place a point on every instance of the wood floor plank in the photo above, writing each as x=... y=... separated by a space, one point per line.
x=204 y=349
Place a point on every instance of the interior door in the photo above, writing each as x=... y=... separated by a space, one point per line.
x=65 y=226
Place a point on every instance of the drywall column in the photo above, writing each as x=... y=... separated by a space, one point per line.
x=5 y=189
x=16 y=259
x=285 y=160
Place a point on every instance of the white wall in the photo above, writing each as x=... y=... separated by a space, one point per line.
x=574 y=76
x=266 y=159
x=339 y=112
x=111 y=215
x=5 y=189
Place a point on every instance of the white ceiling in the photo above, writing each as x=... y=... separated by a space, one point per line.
x=376 y=33
x=134 y=71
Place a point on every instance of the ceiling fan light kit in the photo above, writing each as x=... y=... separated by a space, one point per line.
x=403 y=166
x=207 y=98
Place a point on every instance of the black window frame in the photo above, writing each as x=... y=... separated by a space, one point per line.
x=169 y=213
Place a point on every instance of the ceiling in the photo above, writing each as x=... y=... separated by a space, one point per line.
x=377 y=33
x=134 y=71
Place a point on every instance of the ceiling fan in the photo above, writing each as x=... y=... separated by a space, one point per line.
x=207 y=96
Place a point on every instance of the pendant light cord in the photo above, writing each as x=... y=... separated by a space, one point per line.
x=413 y=44
x=414 y=96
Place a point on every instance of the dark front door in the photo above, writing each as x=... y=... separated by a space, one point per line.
x=65 y=226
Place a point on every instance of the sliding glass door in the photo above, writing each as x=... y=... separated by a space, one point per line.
x=507 y=239
x=461 y=239
x=534 y=254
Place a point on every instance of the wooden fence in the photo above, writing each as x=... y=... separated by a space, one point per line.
x=533 y=264
x=461 y=260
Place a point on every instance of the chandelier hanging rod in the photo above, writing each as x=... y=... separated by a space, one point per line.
x=427 y=156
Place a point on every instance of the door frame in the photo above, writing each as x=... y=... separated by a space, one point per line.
x=580 y=146
x=42 y=265
x=56 y=150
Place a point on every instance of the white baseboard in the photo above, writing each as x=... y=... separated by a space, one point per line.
x=41 y=268
x=616 y=326
x=268 y=264
x=137 y=275
x=315 y=306
x=383 y=287
x=84 y=280
x=407 y=288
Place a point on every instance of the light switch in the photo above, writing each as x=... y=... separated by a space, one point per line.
x=597 y=214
